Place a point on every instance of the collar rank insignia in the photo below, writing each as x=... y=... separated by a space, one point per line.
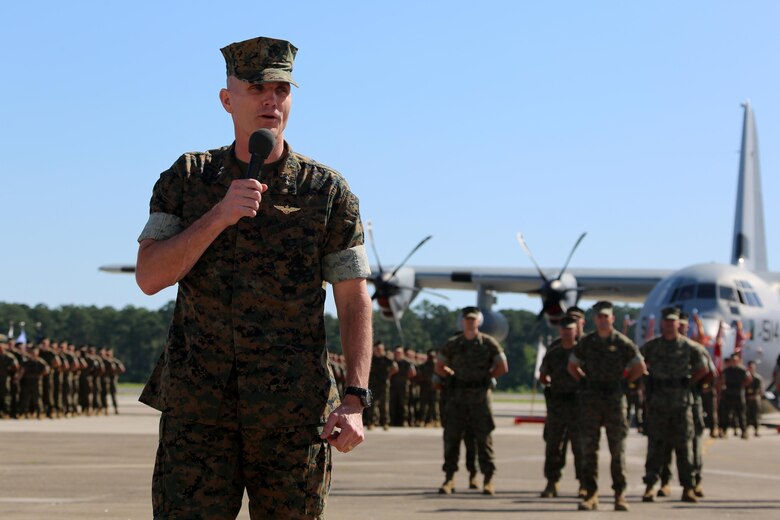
x=287 y=209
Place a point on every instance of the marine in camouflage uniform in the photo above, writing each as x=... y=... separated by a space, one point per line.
x=563 y=412
x=429 y=395
x=9 y=367
x=400 y=382
x=382 y=367
x=34 y=369
x=753 y=394
x=599 y=360
x=469 y=361
x=734 y=379
x=243 y=382
x=674 y=363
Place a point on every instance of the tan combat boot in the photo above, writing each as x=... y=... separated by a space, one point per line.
x=590 y=502
x=487 y=488
x=473 y=484
x=449 y=485
x=698 y=491
x=666 y=490
x=551 y=491
x=582 y=492
x=745 y=434
x=689 y=495
x=649 y=495
x=620 y=501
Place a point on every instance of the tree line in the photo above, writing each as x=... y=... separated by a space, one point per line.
x=138 y=335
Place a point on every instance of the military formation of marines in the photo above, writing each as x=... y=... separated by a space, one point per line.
x=674 y=384
x=56 y=379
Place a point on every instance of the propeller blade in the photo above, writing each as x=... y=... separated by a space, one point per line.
x=424 y=240
x=397 y=321
x=531 y=256
x=370 y=231
x=566 y=264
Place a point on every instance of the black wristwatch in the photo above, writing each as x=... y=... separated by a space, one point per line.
x=363 y=393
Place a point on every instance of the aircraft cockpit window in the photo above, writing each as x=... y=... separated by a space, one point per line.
x=726 y=293
x=752 y=299
x=743 y=284
x=706 y=291
x=686 y=292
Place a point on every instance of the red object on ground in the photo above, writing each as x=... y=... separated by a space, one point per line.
x=535 y=419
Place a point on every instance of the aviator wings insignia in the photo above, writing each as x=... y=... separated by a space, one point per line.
x=287 y=209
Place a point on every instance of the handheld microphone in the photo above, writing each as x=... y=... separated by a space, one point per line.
x=261 y=142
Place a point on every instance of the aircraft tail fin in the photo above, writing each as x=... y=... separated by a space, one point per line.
x=749 y=246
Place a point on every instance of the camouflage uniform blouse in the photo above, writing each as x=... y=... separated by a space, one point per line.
x=254 y=301
x=670 y=364
x=555 y=364
x=471 y=360
x=604 y=359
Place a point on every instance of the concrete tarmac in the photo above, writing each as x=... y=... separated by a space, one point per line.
x=100 y=468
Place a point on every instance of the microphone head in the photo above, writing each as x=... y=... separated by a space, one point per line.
x=261 y=142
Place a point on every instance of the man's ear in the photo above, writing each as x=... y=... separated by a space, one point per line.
x=224 y=98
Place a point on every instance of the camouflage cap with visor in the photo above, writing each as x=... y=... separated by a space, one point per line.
x=603 y=307
x=471 y=312
x=261 y=60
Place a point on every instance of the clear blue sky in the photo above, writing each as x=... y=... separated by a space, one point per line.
x=469 y=121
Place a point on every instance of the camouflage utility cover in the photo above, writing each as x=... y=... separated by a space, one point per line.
x=260 y=60
x=255 y=298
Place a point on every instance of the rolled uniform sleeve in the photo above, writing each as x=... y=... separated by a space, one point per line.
x=165 y=207
x=344 y=253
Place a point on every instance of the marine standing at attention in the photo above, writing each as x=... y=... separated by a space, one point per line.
x=674 y=364
x=243 y=384
x=470 y=360
x=600 y=360
x=563 y=411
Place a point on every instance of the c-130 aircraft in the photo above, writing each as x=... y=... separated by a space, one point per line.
x=723 y=297
x=737 y=305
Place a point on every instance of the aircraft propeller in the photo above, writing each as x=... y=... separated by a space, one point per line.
x=555 y=293
x=394 y=291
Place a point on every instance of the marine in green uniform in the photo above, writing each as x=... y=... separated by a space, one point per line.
x=247 y=398
x=599 y=360
x=734 y=379
x=470 y=360
x=753 y=394
x=563 y=413
x=9 y=367
x=674 y=364
x=382 y=368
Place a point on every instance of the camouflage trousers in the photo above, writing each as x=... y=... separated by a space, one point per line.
x=753 y=410
x=463 y=413
x=732 y=411
x=698 y=447
x=379 y=410
x=429 y=404
x=399 y=400
x=201 y=471
x=669 y=428
x=709 y=401
x=609 y=411
x=561 y=428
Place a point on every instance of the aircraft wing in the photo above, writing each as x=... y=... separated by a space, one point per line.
x=625 y=285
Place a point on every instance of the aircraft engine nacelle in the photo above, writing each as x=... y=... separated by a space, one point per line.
x=558 y=295
x=495 y=324
x=394 y=294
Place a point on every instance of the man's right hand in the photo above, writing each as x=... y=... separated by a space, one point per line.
x=241 y=200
